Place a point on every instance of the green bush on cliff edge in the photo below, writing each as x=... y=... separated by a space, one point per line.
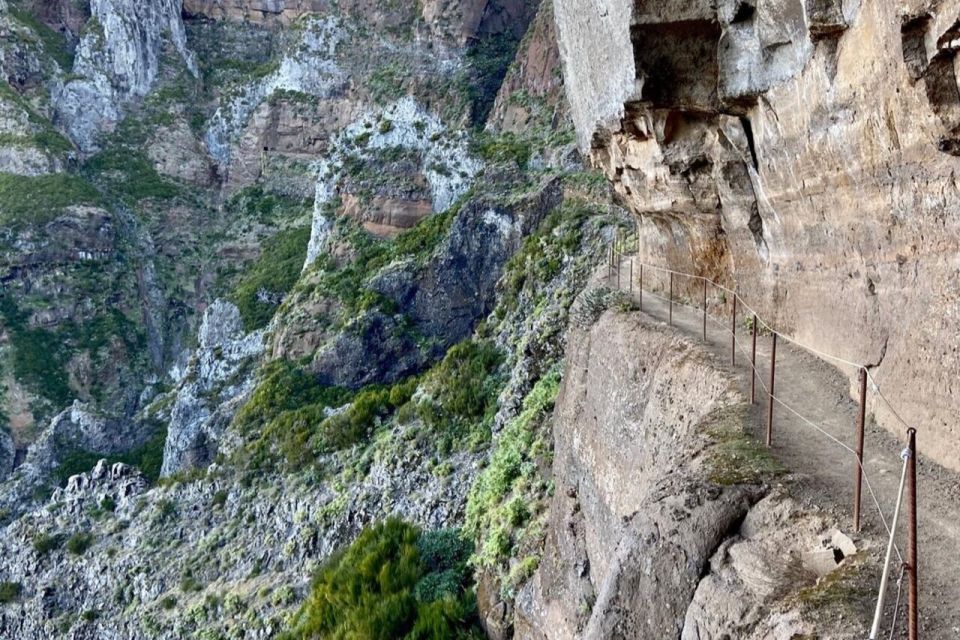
x=394 y=581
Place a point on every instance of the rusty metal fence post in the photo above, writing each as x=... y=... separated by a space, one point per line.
x=733 y=332
x=671 y=298
x=912 y=560
x=619 y=256
x=753 y=363
x=641 y=286
x=773 y=370
x=861 y=420
x=704 y=309
x=618 y=270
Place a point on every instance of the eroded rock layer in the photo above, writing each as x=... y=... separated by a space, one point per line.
x=804 y=151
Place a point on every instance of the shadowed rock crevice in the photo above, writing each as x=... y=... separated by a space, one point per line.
x=677 y=63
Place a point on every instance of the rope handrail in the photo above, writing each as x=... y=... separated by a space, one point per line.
x=806 y=420
x=908 y=477
x=822 y=354
x=908 y=566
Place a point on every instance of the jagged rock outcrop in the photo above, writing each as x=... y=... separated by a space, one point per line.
x=262 y=540
x=118 y=59
x=218 y=375
x=803 y=151
x=78 y=428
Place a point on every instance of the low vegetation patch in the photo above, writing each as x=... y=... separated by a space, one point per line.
x=44 y=543
x=130 y=175
x=505 y=498
x=79 y=543
x=736 y=457
x=40 y=356
x=460 y=396
x=502 y=147
x=266 y=281
x=394 y=581
x=38 y=199
x=290 y=418
x=9 y=591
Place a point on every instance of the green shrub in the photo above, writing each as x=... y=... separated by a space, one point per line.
x=273 y=274
x=79 y=543
x=168 y=602
x=129 y=174
x=301 y=434
x=376 y=589
x=39 y=199
x=166 y=509
x=267 y=207
x=386 y=83
x=498 y=502
x=43 y=543
x=502 y=147
x=219 y=498
x=189 y=584
x=463 y=391
x=9 y=591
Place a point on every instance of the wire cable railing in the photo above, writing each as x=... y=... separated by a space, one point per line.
x=909 y=565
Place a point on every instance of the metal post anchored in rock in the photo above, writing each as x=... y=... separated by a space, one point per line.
x=753 y=363
x=861 y=420
x=671 y=298
x=733 y=332
x=773 y=371
x=704 y=309
x=619 y=257
x=912 y=568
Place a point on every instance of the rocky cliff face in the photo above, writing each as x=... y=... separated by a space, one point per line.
x=802 y=150
x=654 y=531
x=275 y=270
x=118 y=59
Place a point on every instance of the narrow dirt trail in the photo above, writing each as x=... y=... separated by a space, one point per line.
x=825 y=470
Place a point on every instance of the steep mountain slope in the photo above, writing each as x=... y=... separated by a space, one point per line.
x=303 y=331
x=393 y=280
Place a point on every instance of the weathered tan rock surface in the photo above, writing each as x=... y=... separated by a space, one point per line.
x=805 y=152
x=644 y=540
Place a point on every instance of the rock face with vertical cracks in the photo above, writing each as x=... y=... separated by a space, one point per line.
x=634 y=519
x=645 y=538
x=804 y=150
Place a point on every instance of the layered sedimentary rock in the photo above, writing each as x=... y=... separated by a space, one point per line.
x=804 y=151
